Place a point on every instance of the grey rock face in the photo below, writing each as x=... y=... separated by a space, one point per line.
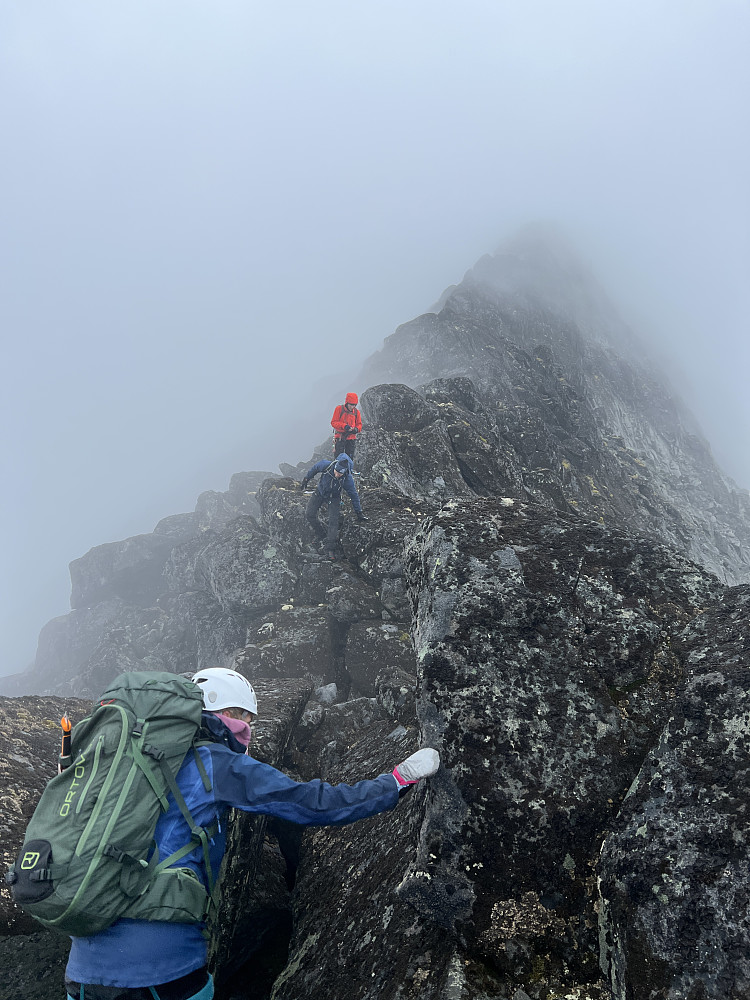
x=290 y=643
x=79 y=653
x=252 y=915
x=412 y=460
x=674 y=871
x=130 y=570
x=544 y=652
x=239 y=568
x=573 y=405
x=353 y=936
x=370 y=644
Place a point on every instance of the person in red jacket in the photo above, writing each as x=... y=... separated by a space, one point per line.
x=347 y=423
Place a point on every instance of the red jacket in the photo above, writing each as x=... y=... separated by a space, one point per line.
x=346 y=425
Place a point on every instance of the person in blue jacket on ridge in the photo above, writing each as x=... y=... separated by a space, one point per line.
x=163 y=960
x=335 y=477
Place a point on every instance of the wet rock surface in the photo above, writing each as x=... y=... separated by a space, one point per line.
x=674 y=871
x=541 y=593
x=546 y=672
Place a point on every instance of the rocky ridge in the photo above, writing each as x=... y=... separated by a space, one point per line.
x=540 y=593
x=576 y=400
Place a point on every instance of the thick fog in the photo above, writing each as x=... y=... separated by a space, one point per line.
x=210 y=207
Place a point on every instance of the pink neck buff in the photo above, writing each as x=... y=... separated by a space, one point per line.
x=241 y=731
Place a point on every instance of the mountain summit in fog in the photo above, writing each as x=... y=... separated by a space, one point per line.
x=578 y=408
x=551 y=589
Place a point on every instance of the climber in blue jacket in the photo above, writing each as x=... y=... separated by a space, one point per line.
x=335 y=477
x=165 y=960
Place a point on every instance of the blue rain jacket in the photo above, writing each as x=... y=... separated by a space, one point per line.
x=330 y=487
x=145 y=953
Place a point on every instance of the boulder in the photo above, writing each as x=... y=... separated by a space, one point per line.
x=374 y=649
x=290 y=643
x=350 y=600
x=396 y=692
x=397 y=408
x=241 y=568
x=674 y=877
x=546 y=671
x=130 y=570
x=178 y=527
x=282 y=506
x=417 y=464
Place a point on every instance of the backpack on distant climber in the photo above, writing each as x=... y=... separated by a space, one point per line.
x=89 y=855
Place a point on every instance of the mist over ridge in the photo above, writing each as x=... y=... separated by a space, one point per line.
x=204 y=223
x=547 y=581
x=582 y=415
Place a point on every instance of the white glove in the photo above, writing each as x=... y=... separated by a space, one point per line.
x=422 y=764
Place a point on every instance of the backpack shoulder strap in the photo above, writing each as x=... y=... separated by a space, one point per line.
x=200 y=765
x=199 y=834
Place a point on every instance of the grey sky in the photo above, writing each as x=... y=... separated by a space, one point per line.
x=208 y=206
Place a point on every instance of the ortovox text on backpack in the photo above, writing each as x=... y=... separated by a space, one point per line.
x=89 y=855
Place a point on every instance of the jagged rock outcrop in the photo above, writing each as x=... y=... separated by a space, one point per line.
x=541 y=593
x=131 y=570
x=546 y=665
x=675 y=876
x=134 y=607
x=573 y=402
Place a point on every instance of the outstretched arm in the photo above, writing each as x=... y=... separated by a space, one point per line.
x=315 y=469
x=247 y=784
x=254 y=787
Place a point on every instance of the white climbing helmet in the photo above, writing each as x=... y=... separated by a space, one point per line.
x=225 y=688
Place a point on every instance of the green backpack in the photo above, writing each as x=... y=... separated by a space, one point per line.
x=89 y=856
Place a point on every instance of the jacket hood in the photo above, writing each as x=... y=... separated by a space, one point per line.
x=352 y=397
x=343 y=459
x=214 y=730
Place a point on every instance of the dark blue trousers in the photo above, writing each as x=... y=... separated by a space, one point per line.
x=314 y=504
